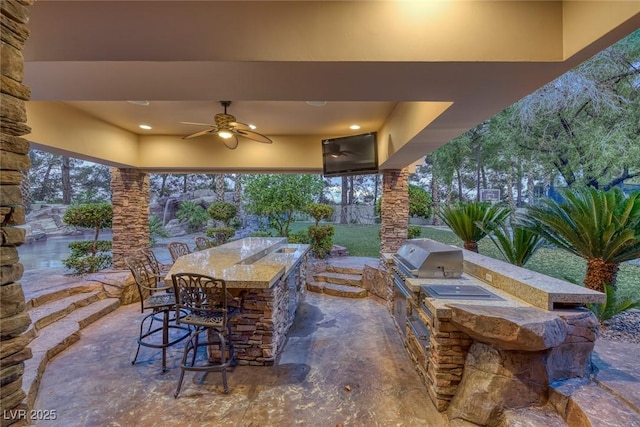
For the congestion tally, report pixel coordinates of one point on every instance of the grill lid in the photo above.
(427, 258)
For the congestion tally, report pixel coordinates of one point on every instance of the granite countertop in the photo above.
(246, 263)
(440, 308)
(289, 256)
(517, 283)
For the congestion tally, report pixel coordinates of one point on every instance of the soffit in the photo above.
(268, 57)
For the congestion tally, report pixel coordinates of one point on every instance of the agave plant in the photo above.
(600, 226)
(516, 244)
(472, 221)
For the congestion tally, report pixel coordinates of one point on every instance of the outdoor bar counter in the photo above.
(271, 274)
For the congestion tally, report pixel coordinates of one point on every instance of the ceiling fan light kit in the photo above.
(228, 129)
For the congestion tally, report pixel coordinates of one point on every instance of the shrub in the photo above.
(321, 238)
(156, 230)
(90, 215)
(83, 259)
(319, 211)
(91, 255)
(228, 232)
(87, 264)
(414, 232)
(194, 214)
(301, 236)
(419, 202)
(222, 211)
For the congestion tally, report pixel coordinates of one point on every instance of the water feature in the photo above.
(49, 253)
(166, 209)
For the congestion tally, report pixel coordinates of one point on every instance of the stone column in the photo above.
(395, 209)
(14, 319)
(130, 199)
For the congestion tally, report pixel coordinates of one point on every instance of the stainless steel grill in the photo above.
(420, 258)
(424, 258)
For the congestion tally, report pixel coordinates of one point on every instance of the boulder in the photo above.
(510, 328)
(375, 281)
(496, 380)
(117, 284)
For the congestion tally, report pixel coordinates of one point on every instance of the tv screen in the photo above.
(350, 155)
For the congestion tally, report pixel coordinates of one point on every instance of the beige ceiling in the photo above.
(417, 72)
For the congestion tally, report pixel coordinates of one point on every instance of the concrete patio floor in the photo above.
(343, 363)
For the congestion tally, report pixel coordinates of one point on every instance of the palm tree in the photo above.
(471, 221)
(517, 245)
(602, 227)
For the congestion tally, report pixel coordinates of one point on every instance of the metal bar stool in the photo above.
(206, 300)
(159, 269)
(177, 249)
(162, 306)
(203, 243)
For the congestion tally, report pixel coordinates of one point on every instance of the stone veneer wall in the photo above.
(14, 319)
(130, 199)
(448, 348)
(395, 209)
(260, 332)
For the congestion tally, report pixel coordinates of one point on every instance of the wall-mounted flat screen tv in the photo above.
(350, 155)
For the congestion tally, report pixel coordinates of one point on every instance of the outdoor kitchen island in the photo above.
(489, 338)
(270, 274)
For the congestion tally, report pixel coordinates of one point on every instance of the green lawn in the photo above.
(364, 240)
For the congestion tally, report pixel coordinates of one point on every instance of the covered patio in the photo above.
(417, 73)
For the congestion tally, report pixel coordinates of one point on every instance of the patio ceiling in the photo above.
(417, 72)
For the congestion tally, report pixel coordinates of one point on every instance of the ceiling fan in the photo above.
(227, 129)
(332, 149)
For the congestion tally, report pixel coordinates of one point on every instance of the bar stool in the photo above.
(206, 300)
(155, 298)
(159, 269)
(177, 249)
(203, 243)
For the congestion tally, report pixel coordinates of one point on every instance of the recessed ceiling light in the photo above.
(144, 103)
(145, 127)
(316, 103)
(354, 127)
(252, 127)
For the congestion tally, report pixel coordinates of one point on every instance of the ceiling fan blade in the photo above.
(197, 124)
(239, 125)
(231, 143)
(202, 132)
(253, 135)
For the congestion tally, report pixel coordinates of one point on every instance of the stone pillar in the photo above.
(395, 209)
(130, 199)
(14, 319)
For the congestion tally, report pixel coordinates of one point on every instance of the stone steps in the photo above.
(584, 403)
(57, 317)
(338, 278)
(44, 315)
(341, 277)
(348, 270)
(44, 296)
(344, 291)
(337, 290)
